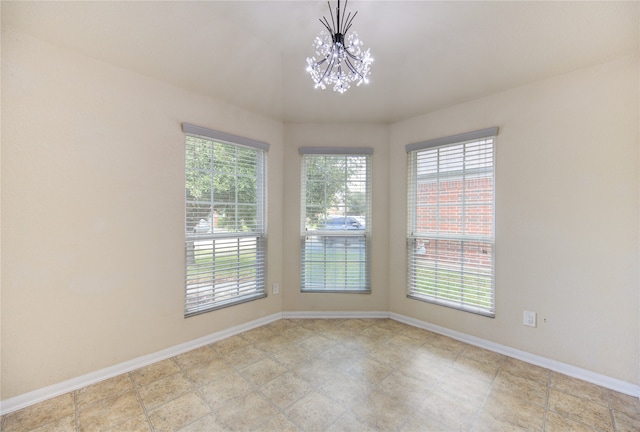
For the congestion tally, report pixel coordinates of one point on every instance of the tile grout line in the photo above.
(144, 408)
(196, 389)
(546, 402)
(476, 418)
(613, 417)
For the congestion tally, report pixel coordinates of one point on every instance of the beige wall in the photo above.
(93, 211)
(336, 135)
(566, 217)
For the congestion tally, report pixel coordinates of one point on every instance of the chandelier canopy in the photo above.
(340, 58)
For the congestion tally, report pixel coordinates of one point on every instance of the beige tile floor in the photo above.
(335, 375)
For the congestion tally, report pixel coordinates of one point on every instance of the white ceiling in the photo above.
(428, 54)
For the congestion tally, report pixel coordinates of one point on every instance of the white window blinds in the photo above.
(225, 230)
(451, 221)
(335, 219)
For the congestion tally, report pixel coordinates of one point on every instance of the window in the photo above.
(451, 221)
(225, 231)
(336, 203)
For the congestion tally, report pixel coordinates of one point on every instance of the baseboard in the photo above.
(36, 396)
(334, 315)
(556, 366)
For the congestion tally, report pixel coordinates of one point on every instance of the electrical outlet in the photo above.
(275, 288)
(529, 319)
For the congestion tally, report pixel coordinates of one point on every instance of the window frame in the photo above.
(327, 240)
(439, 282)
(250, 280)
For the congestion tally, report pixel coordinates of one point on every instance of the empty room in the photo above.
(320, 216)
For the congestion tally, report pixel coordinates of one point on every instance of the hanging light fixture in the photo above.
(340, 58)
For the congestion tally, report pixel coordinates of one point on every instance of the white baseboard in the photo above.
(33, 397)
(334, 315)
(556, 366)
(27, 399)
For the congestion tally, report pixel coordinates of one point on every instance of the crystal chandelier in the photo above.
(340, 58)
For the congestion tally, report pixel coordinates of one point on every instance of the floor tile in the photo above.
(316, 371)
(273, 343)
(228, 345)
(279, 423)
(488, 423)
(107, 413)
(405, 389)
(286, 389)
(382, 411)
(135, 424)
(350, 423)
(448, 410)
(204, 373)
(342, 357)
(482, 355)
(257, 334)
(40, 414)
(207, 423)
(246, 412)
(418, 422)
(244, 356)
(580, 410)
(178, 413)
(291, 355)
(297, 334)
(525, 370)
(220, 392)
(477, 370)
(630, 405)
(557, 423)
(467, 388)
(65, 424)
(579, 388)
(106, 389)
(154, 372)
(388, 355)
(199, 355)
(405, 343)
(346, 389)
(316, 344)
(371, 370)
(314, 412)
(262, 371)
(519, 387)
(164, 390)
(625, 423)
(504, 409)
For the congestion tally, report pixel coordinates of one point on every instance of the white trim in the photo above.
(334, 315)
(223, 136)
(554, 365)
(36, 396)
(460, 138)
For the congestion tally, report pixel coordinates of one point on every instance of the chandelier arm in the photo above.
(325, 23)
(344, 15)
(349, 22)
(358, 59)
(353, 68)
(331, 14)
(328, 68)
